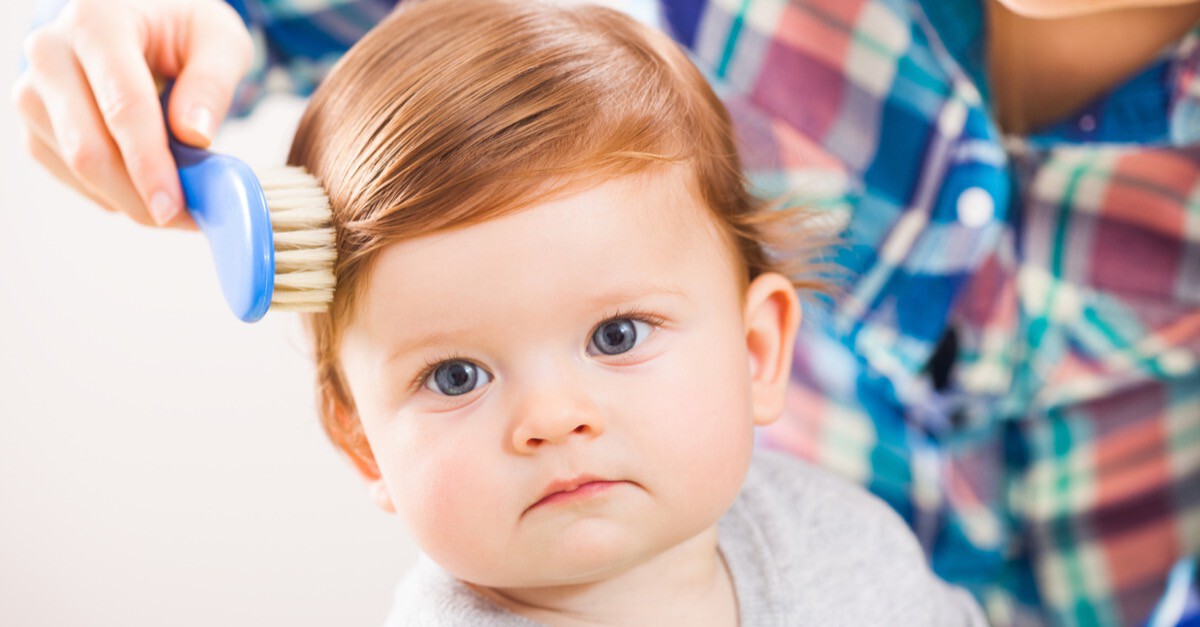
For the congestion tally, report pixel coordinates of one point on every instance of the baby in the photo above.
(559, 318)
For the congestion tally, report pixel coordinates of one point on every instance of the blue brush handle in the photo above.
(226, 201)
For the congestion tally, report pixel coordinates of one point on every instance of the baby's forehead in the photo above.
(663, 199)
(589, 241)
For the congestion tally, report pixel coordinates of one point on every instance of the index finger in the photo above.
(127, 97)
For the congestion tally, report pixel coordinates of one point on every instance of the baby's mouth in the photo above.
(571, 490)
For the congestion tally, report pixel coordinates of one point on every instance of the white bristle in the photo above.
(315, 306)
(288, 262)
(304, 280)
(312, 217)
(289, 300)
(312, 238)
(301, 221)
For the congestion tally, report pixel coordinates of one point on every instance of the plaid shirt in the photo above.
(1012, 363)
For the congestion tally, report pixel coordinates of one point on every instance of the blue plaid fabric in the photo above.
(298, 41)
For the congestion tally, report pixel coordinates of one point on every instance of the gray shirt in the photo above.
(804, 546)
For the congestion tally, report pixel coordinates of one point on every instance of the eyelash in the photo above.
(431, 365)
(630, 314)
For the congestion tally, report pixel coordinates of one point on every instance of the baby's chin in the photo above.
(590, 555)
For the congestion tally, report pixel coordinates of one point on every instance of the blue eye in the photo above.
(454, 378)
(618, 335)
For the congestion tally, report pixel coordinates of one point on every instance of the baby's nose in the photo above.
(552, 416)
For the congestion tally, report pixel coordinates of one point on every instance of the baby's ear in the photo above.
(379, 495)
(772, 316)
(354, 444)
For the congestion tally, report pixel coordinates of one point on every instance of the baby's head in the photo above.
(557, 321)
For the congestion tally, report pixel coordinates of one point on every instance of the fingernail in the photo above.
(201, 119)
(161, 208)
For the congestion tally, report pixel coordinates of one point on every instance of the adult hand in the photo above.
(90, 103)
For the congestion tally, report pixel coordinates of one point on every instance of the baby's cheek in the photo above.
(713, 422)
(453, 513)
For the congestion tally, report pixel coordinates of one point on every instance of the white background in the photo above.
(161, 462)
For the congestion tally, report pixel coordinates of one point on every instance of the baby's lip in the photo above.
(560, 489)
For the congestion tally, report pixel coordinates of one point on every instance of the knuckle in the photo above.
(142, 169)
(240, 42)
(245, 51)
(117, 104)
(85, 158)
(244, 45)
(40, 45)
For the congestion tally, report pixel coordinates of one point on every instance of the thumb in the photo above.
(216, 52)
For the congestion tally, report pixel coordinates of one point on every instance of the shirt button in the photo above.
(975, 207)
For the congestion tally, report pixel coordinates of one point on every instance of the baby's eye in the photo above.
(617, 336)
(454, 378)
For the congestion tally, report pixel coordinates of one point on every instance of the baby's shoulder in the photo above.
(811, 545)
(784, 490)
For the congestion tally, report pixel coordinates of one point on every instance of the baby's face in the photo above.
(560, 393)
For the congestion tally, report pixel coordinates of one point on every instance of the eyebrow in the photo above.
(599, 301)
(641, 290)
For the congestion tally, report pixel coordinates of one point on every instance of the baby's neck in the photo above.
(685, 585)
